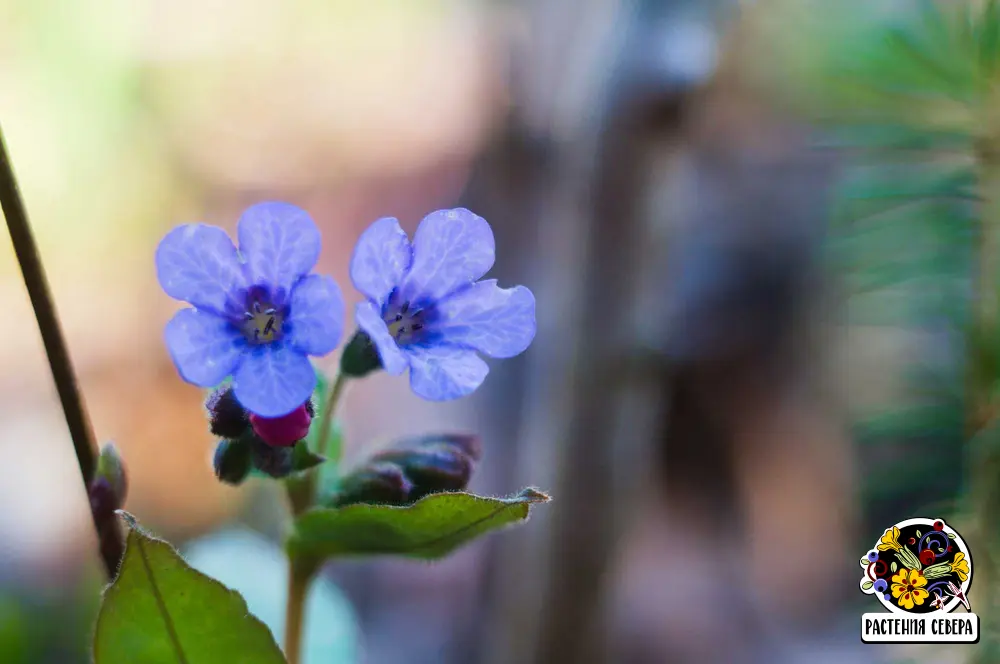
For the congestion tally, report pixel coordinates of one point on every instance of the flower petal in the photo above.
(315, 315)
(497, 321)
(442, 373)
(279, 243)
(204, 347)
(274, 379)
(198, 263)
(370, 320)
(451, 249)
(381, 259)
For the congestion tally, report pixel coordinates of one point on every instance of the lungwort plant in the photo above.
(257, 318)
(910, 92)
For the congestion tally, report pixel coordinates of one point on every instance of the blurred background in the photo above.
(708, 385)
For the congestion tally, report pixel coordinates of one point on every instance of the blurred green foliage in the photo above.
(908, 92)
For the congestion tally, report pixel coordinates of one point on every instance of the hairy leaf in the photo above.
(161, 611)
(431, 528)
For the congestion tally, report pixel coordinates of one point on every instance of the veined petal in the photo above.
(273, 380)
(370, 320)
(451, 249)
(204, 347)
(279, 243)
(381, 259)
(198, 264)
(497, 321)
(315, 315)
(442, 373)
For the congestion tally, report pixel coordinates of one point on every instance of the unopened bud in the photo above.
(360, 357)
(232, 461)
(282, 431)
(431, 468)
(278, 462)
(227, 417)
(375, 483)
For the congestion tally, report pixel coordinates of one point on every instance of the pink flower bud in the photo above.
(282, 431)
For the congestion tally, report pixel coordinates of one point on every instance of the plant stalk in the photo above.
(70, 397)
(299, 578)
(302, 496)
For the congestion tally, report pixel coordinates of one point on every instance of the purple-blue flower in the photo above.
(258, 313)
(426, 311)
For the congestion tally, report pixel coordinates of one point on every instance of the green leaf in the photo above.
(428, 529)
(161, 611)
(893, 566)
(867, 585)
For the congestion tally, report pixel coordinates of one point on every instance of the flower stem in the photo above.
(302, 496)
(327, 417)
(80, 431)
(299, 578)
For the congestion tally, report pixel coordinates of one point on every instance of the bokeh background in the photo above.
(699, 398)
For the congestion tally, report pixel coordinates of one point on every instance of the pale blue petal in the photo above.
(380, 260)
(274, 379)
(279, 243)
(442, 373)
(369, 319)
(451, 249)
(204, 347)
(497, 321)
(198, 263)
(315, 315)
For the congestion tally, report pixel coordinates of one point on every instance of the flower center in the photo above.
(262, 322)
(405, 323)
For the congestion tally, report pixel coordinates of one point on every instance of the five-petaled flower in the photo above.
(258, 313)
(908, 588)
(426, 309)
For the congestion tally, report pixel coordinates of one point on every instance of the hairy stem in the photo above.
(81, 433)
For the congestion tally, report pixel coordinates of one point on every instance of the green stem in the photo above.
(302, 495)
(70, 397)
(299, 578)
(328, 415)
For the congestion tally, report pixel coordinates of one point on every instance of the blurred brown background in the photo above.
(685, 400)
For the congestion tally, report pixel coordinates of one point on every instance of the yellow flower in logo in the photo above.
(908, 588)
(890, 540)
(960, 566)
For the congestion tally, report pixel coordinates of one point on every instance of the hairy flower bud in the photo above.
(232, 461)
(109, 486)
(434, 463)
(360, 357)
(282, 431)
(375, 483)
(278, 462)
(227, 418)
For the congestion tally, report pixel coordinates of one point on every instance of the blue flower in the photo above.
(258, 313)
(426, 311)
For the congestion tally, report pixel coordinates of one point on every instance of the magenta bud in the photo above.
(283, 431)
